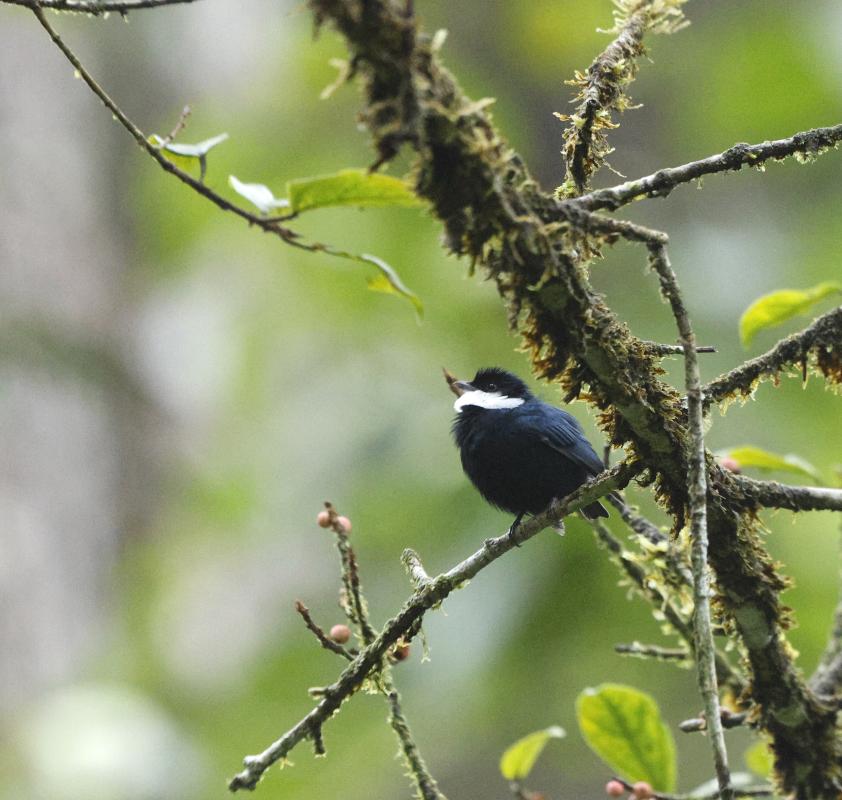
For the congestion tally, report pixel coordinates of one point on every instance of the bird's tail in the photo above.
(594, 510)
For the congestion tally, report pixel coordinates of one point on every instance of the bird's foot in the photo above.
(513, 529)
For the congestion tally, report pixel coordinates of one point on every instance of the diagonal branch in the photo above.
(806, 144)
(697, 493)
(267, 225)
(369, 660)
(820, 343)
(96, 7)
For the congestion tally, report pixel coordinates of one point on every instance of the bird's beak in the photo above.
(456, 386)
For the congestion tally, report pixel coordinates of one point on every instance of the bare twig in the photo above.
(660, 184)
(697, 493)
(323, 638)
(357, 612)
(820, 343)
(371, 657)
(179, 126)
(96, 7)
(748, 791)
(653, 651)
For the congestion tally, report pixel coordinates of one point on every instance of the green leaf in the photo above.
(389, 282)
(759, 759)
(518, 760)
(185, 156)
(258, 195)
(623, 726)
(749, 456)
(350, 187)
(777, 307)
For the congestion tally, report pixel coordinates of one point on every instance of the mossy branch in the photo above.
(531, 244)
(602, 89)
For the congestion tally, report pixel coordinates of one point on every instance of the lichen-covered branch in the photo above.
(805, 144)
(818, 346)
(493, 212)
(772, 494)
(649, 589)
(697, 493)
(602, 87)
(369, 661)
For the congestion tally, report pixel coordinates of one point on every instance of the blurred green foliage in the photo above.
(289, 383)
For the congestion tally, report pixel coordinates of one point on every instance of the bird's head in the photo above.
(492, 388)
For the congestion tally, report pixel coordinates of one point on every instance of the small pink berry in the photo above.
(615, 789)
(344, 523)
(323, 519)
(731, 464)
(642, 790)
(401, 652)
(340, 633)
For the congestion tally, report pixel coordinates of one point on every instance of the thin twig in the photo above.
(658, 349)
(179, 126)
(357, 610)
(697, 494)
(412, 562)
(653, 651)
(371, 657)
(821, 342)
(96, 7)
(272, 226)
(660, 184)
(323, 638)
(748, 791)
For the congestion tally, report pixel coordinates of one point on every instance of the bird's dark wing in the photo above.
(561, 432)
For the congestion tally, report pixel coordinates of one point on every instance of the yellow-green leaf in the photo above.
(518, 760)
(777, 307)
(623, 726)
(750, 456)
(759, 759)
(389, 282)
(350, 187)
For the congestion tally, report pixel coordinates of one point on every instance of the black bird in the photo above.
(520, 452)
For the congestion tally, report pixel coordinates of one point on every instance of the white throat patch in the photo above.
(487, 400)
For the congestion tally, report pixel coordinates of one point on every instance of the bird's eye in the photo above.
(492, 387)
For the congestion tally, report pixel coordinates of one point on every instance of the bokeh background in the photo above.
(178, 395)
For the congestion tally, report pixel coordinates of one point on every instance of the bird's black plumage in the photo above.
(518, 451)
